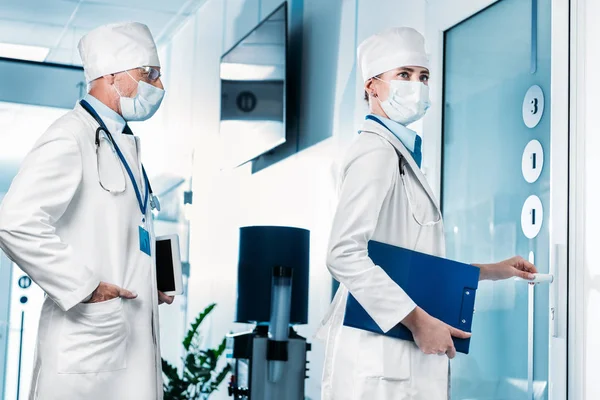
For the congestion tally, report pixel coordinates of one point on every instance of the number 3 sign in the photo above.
(533, 106)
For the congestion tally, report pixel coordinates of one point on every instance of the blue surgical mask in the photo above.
(144, 105)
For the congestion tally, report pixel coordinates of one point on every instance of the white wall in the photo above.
(297, 191)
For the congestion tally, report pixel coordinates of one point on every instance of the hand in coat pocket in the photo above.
(108, 291)
(163, 298)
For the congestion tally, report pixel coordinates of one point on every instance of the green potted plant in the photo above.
(199, 376)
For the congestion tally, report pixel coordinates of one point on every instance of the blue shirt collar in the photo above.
(407, 137)
(113, 121)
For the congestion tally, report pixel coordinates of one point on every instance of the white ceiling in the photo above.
(59, 24)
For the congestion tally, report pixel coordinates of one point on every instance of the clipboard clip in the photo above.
(467, 309)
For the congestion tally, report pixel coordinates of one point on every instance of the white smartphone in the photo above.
(169, 278)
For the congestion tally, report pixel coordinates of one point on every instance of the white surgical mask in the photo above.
(407, 101)
(144, 105)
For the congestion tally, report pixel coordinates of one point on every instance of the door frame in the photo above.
(441, 15)
(577, 224)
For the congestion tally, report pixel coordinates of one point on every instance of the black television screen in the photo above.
(253, 92)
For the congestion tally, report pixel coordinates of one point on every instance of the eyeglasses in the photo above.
(153, 73)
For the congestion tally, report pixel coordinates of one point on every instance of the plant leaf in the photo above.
(170, 371)
(199, 374)
(219, 379)
(194, 327)
(221, 349)
(174, 387)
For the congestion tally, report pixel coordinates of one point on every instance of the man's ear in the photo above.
(110, 79)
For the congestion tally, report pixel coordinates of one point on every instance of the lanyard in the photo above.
(143, 204)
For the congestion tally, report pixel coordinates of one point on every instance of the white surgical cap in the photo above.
(390, 49)
(116, 48)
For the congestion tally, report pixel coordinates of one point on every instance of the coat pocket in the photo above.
(384, 358)
(93, 338)
(384, 368)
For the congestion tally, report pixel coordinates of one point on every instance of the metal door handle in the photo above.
(539, 278)
(558, 292)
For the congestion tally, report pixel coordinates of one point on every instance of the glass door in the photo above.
(503, 189)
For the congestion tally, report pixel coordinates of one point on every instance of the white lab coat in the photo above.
(68, 234)
(377, 202)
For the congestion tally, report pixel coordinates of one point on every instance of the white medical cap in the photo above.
(390, 49)
(116, 48)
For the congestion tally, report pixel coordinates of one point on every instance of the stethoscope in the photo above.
(149, 195)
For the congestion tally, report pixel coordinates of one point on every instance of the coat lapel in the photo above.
(375, 128)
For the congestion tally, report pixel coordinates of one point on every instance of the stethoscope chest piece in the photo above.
(154, 203)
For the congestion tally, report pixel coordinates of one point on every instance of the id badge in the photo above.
(144, 240)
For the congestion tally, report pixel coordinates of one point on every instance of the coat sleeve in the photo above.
(367, 181)
(40, 194)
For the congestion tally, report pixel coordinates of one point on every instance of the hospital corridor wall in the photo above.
(179, 142)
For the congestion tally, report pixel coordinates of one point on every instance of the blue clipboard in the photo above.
(443, 288)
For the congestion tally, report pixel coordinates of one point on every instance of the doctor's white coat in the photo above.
(382, 195)
(68, 234)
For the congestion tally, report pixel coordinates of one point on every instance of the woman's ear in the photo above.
(370, 88)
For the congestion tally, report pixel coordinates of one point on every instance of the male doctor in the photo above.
(77, 219)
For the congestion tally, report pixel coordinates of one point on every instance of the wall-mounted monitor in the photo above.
(253, 92)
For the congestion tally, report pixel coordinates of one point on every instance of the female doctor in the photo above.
(383, 196)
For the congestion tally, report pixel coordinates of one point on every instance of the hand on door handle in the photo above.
(513, 267)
